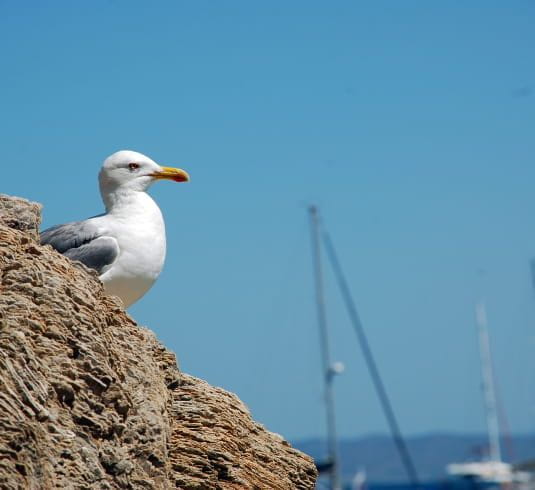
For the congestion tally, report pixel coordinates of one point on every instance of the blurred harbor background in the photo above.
(411, 125)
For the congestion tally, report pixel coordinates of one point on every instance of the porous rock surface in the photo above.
(91, 400)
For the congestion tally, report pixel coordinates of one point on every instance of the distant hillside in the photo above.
(431, 453)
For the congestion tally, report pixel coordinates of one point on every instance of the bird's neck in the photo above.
(126, 200)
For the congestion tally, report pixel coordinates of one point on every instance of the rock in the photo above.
(91, 400)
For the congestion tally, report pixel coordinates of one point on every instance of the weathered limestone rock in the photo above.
(91, 400)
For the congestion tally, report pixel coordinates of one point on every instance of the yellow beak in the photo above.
(170, 173)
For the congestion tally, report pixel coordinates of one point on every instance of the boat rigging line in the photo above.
(397, 436)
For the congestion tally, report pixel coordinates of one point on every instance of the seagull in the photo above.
(125, 245)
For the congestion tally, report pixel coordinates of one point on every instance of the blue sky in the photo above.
(410, 124)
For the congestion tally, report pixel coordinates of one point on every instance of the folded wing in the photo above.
(81, 241)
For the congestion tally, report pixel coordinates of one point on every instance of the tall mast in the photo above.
(488, 383)
(328, 371)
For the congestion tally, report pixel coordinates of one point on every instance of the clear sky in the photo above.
(410, 123)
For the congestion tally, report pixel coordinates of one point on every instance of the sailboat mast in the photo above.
(488, 383)
(328, 372)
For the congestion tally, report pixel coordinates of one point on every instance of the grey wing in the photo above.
(81, 241)
(96, 254)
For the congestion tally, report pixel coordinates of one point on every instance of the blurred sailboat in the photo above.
(493, 472)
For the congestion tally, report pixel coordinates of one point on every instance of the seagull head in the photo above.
(131, 171)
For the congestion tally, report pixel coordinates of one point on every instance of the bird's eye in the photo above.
(133, 166)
